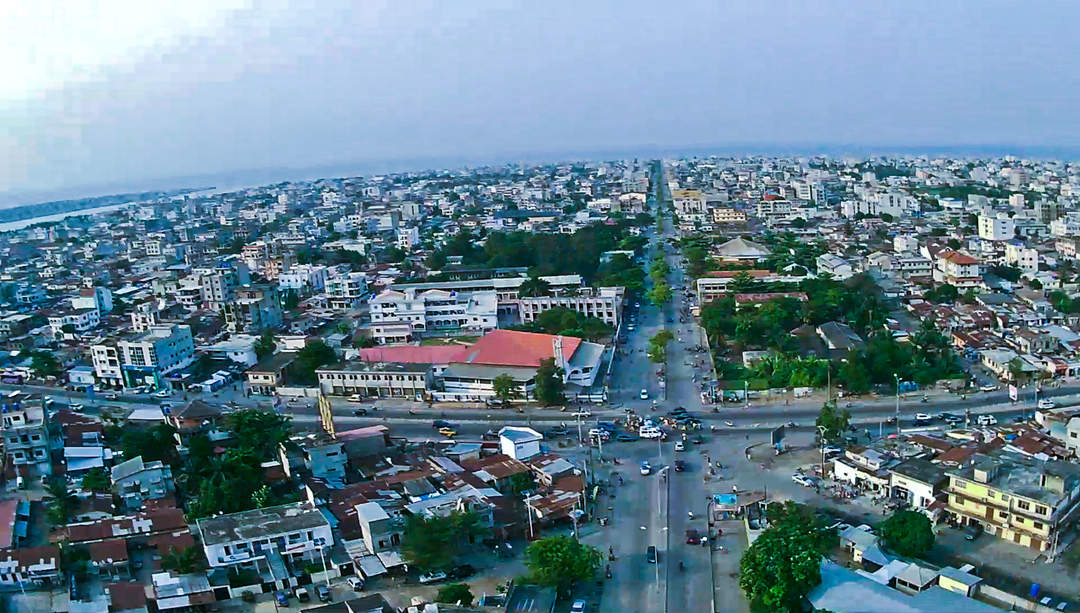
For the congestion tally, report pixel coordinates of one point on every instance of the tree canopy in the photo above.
(506, 389)
(834, 420)
(559, 561)
(314, 355)
(549, 383)
(784, 563)
(567, 322)
(432, 543)
(657, 347)
(455, 593)
(908, 533)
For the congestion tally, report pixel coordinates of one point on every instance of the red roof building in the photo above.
(513, 348)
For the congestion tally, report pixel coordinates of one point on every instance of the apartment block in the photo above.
(602, 303)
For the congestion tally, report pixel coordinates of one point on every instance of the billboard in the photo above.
(776, 436)
(1014, 393)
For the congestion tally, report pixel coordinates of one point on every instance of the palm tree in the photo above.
(187, 560)
(533, 287)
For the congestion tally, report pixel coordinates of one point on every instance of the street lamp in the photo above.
(821, 444)
(896, 377)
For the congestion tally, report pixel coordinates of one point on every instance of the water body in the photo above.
(23, 223)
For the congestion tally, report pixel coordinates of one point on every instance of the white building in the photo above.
(1067, 225)
(689, 203)
(407, 238)
(79, 320)
(602, 303)
(999, 227)
(436, 311)
(304, 278)
(296, 531)
(519, 443)
(347, 290)
(834, 265)
(98, 298)
(163, 349)
(1024, 258)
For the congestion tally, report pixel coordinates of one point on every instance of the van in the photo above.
(650, 433)
(302, 594)
(650, 554)
(986, 420)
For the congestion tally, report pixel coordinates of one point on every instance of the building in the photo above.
(106, 361)
(688, 203)
(323, 456)
(295, 531)
(1023, 257)
(957, 269)
(505, 287)
(305, 279)
(346, 291)
(1028, 502)
(98, 298)
(216, 285)
(917, 482)
(30, 567)
(728, 215)
(161, 350)
(27, 444)
(74, 321)
(253, 308)
(264, 378)
(835, 266)
(181, 592)
(999, 227)
(518, 354)
(740, 250)
(377, 380)
(519, 443)
(135, 481)
(604, 303)
(433, 312)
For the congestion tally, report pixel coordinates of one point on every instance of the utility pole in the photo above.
(821, 444)
(896, 377)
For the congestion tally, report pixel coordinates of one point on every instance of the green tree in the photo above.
(945, 292)
(784, 563)
(259, 431)
(506, 388)
(657, 347)
(394, 254)
(44, 364)
(835, 421)
(314, 355)
(660, 293)
(455, 593)
(184, 561)
(266, 345)
(549, 383)
(63, 503)
(432, 543)
(96, 480)
(908, 533)
(156, 443)
(559, 561)
(534, 287)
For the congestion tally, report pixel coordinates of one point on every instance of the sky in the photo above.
(114, 93)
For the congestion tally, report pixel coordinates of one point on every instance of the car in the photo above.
(680, 446)
(804, 480)
(645, 468)
(606, 425)
(831, 450)
(362, 411)
(281, 598)
(945, 416)
(680, 466)
(644, 395)
(626, 437)
(441, 423)
(112, 396)
(162, 394)
(447, 432)
(678, 411)
(650, 554)
(1047, 404)
(433, 576)
(323, 593)
(78, 408)
(988, 388)
(922, 419)
(356, 584)
(302, 594)
(599, 433)
(462, 571)
(355, 398)
(490, 435)
(578, 606)
(559, 431)
(953, 420)
(986, 420)
(584, 414)
(973, 532)
(693, 537)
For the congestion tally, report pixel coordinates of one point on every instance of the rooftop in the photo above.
(260, 523)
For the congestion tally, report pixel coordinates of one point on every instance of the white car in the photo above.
(112, 396)
(680, 446)
(578, 606)
(645, 468)
(77, 408)
(803, 480)
(1047, 404)
(356, 398)
(162, 394)
(644, 395)
(988, 388)
(986, 420)
(432, 576)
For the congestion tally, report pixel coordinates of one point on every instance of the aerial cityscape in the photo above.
(422, 308)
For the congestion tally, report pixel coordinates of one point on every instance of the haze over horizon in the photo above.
(130, 93)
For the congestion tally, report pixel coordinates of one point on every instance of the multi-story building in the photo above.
(376, 379)
(773, 210)
(26, 433)
(346, 291)
(602, 303)
(689, 203)
(135, 481)
(106, 361)
(148, 357)
(436, 311)
(75, 321)
(957, 269)
(296, 531)
(98, 298)
(999, 227)
(1028, 502)
(505, 288)
(253, 308)
(1023, 257)
(217, 284)
(304, 278)
(728, 215)
(1067, 225)
(835, 266)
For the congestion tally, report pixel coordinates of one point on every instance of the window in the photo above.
(960, 483)
(1041, 510)
(1023, 504)
(1037, 524)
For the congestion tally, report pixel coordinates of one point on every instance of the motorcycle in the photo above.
(608, 572)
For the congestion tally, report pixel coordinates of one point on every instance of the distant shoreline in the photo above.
(250, 178)
(32, 212)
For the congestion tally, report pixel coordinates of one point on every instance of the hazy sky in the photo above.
(106, 92)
